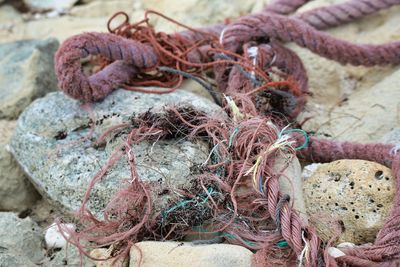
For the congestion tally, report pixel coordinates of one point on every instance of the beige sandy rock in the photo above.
(104, 8)
(8, 16)
(197, 13)
(103, 253)
(16, 192)
(58, 27)
(358, 194)
(353, 103)
(195, 88)
(50, 4)
(290, 183)
(366, 116)
(165, 254)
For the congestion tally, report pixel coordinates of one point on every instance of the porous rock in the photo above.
(26, 73)
(21, 237)
(165, 254)
(48, 144)
(356, 195)
(16, 192)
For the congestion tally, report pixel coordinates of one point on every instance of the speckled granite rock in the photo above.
(16, 192)
(10, 259)
(165, 254)
(21, 238)
(68, 256)
(26, 73)
(45, 132)
(358, 193)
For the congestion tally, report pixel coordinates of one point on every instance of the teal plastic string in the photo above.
(234, 132)
(201, 230)
(306, 138)
(233, 237)
(282, 243)
(185, 202)
(177, 206)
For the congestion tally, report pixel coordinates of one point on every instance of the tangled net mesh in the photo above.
(262, 86)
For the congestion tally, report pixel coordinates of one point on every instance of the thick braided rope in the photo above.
(284, 7)
(289, 222)
(128, 55)
(137, 56)
(96, 87)
(268, 55)
(386, 248)
(287, 29)
(339, 14)
(287, 61)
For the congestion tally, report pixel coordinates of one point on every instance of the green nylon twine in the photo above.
(306, 138)
(282, 243)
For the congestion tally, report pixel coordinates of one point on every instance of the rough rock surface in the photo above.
(20, 237)
(392, 137)
(103, 8)
(48, 144)
(165, 254)
(16, 192)
(50, 4)
(290, 182)
(68, 256)
(103, 253)
(207, 12)
(93, 15)
(10, 259)
(353, 103)
(26, 73)
(358, 193)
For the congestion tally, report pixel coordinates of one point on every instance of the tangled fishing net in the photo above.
(262, 86)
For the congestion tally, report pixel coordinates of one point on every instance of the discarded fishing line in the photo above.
(262, 86)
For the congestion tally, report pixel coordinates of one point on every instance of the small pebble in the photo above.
(334, 252)
(346, 245)
(54, 238)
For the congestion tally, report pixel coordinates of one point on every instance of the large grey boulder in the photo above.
(16, 192)
(20, 238)
(10, 259)
(49, 143)
(26, 73)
